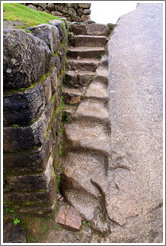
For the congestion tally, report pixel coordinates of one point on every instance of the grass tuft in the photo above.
(30, 17)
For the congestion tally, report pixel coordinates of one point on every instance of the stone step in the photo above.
(78, 79)
(101, 77)
(97, 89)
(72, 96)
(89, 207)
(88, 41)
(86, 52)
(68, 110)
(81, 200)
(80, 168)
(89, 65)
(95, 109)
(90, 29)
(87, 134)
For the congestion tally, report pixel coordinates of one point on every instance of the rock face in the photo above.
(25, 59)
(135, 91)
(33, 74)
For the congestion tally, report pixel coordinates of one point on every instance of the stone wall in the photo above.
(72, 11)
(33, 74)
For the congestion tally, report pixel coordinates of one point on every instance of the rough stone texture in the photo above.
(82, 65)
(120, 118)
(78, 28)
(40, 199)
(71, 96)
(14, 234)
(78, 80)
(32, 117)
(14, 137)
(58, 24)
(49, 34)
(20, 163)
(86, 52)
(69, 217)
(23, 107)
(97, 29)
(25, 59)
(88, 41)
(71, 11)
(135, 76)
(33, 182)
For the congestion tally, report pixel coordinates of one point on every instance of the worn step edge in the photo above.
(83, 65)
(75, 144)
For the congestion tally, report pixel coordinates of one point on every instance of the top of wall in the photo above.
(71, 11)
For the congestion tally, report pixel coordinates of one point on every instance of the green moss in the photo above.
(9, 210)
(44, 190)
(15, 125)
(28, 203)
(53, 98)
(28, 31)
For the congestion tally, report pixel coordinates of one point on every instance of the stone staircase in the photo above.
(87, 133)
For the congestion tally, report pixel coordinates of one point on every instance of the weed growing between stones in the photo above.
(86, 223)
(16, 221)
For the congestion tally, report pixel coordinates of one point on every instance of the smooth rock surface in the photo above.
(135, 91)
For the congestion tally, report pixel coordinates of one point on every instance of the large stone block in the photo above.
(27, 138)
(84, 5)
(78, 28)
(23, 107)
(50, 6)
(59, 25)
(44, 211)
(28, 162)
(53, 79)
(25, 59)
(57, 63)
(33, 182)
(47, 89)
(49, 34)
(97, 29)
(30, 199)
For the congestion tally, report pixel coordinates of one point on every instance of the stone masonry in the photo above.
(71, 11)
(33, 75)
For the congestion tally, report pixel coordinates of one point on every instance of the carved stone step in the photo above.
(80, 168)
(90, 29)
(88, 135)
(78, 80)
(94, 109)
(97, 89)
(88, 41)
(72, 96)
(85, 204)
(83, 65)
(69, 110)
(85, 52)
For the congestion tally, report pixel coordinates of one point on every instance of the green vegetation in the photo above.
(16, 221)
(57, 227)
(30, 17)
(8, 210)
(86, 223)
